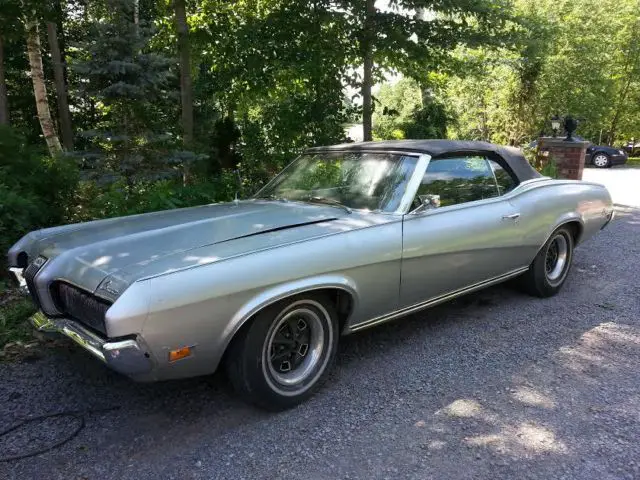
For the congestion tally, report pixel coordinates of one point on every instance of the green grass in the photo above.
(633, 161)
(14, 312)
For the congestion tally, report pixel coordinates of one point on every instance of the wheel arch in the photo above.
(341, 290)
(571, 220)
(577, 228)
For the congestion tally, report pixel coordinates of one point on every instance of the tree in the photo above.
(628, 57)
(367, 45)
(508, 96)
(407, 110)
(4, 100)
(39, 86)
(277, 73)
(133, 86)
(61, 87)
(186, 88)
(413, 36)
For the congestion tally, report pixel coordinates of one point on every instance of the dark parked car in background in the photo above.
(602, 156)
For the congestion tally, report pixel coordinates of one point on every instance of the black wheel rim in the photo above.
(290, 344)
(297, 347)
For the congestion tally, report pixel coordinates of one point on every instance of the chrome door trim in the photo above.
(414, 184)
(435, 301)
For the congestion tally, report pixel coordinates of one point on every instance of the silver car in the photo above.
(345, 238)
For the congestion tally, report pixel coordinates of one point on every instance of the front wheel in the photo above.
(284, 354)
(601, 160)
(550, 268)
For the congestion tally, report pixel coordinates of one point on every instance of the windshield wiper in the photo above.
(327, 201)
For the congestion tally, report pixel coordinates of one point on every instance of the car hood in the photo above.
(128, 248)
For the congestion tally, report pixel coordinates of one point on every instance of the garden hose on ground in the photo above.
(78, 416)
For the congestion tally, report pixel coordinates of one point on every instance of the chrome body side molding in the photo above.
(435, 301)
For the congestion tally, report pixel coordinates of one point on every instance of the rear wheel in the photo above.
(601, 160)
(550, 268)
(284, 355)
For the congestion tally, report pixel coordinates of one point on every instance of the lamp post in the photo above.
(555, 125)
(566, 153)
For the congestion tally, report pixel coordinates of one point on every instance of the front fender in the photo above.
(285, 290)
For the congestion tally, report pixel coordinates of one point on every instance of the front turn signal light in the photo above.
(179, 354)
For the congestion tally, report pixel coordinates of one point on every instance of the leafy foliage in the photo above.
(131, 88)
(121, 198)
(35, 189)
(407, 111)
(580, 58)
(269, 80)
(13, 316)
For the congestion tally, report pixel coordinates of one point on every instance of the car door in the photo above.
(468, 233)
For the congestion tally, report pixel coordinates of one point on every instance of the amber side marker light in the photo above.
(179, 354)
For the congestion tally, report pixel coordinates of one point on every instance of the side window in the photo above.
(450, 181)
(505, 181)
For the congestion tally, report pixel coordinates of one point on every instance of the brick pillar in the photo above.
(568, 155)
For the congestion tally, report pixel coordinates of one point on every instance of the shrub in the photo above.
(13, 315)
(550, 169)
(34, 189)
(119, 198)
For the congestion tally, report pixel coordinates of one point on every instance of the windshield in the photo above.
(369, 181)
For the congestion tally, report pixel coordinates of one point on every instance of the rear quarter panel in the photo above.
(546, 204)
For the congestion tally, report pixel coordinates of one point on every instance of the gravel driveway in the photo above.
(494, 385)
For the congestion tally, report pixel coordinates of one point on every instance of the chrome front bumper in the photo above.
(22, 283)
(125, 356)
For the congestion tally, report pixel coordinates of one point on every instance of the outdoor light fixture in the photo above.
(555, 124)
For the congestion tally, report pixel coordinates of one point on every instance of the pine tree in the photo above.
(132, 85)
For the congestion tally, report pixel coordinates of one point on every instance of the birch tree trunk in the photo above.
(4, 101)
(136, 15)
(61, 88)
(39, 87)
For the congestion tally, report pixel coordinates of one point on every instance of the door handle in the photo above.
(513, 216)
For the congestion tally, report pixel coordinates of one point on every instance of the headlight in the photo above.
(622, 152)
(39, 262)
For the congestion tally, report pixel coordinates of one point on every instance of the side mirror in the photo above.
(428, 202)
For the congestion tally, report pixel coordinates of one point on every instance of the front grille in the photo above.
(81, 306)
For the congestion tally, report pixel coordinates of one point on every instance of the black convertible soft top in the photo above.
(513, 158)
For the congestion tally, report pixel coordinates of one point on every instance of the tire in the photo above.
(550, 268)
(274, 379)
(601, 160)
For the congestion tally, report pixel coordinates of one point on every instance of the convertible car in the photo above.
(345, 238)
